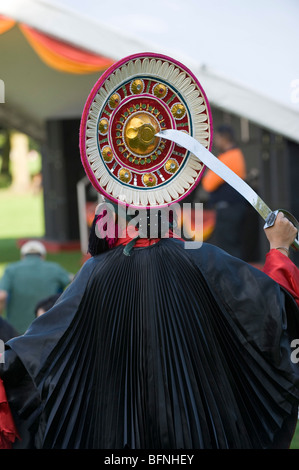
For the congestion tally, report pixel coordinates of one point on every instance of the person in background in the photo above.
(154, 345)
(229, 205)
(26, 282)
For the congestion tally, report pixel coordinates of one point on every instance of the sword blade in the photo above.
(218, 167)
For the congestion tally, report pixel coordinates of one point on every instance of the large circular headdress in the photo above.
(133, 100)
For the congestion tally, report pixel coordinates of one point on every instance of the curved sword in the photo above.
(214, 164)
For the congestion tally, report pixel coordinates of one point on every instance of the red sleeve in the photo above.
(8, 430)
(284, 271)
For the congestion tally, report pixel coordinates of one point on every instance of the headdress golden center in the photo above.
(131, 102)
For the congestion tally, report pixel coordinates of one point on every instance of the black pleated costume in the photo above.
(169, 348)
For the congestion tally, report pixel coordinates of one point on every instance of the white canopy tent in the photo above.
(243, 53)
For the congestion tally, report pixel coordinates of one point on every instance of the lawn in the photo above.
(21, 216)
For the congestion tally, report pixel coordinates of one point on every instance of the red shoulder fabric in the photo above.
(280, 268)
(8, 430)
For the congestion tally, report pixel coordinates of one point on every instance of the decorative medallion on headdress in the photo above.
(132, 101)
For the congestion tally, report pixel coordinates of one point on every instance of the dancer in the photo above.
(155, 345)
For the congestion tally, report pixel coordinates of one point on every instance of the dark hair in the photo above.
(226, 131)
(46, 303)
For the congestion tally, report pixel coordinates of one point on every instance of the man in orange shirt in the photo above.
(230, 206)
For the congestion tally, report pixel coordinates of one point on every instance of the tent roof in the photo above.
(243, 53)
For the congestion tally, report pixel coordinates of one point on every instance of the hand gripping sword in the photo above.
(214, 164)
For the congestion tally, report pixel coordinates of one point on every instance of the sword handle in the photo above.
(271, 220)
